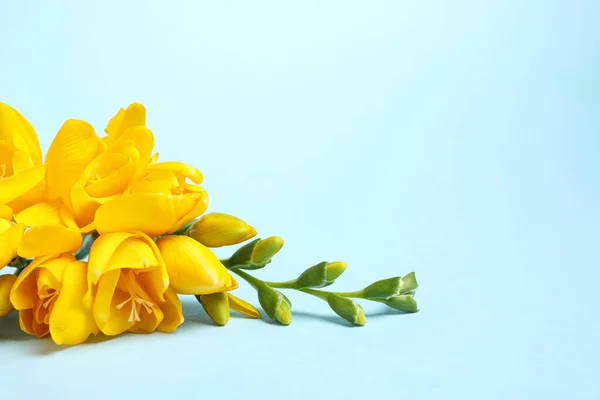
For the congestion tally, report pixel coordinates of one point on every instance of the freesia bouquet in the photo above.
(140, 224)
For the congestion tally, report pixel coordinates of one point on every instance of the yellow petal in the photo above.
(26, 321)
(24, 290)
(12, 123)
(172, 310)
(181, 169)
(185, 213)
(39, 214)
(49, 239)
(35, 195)
(21, 183)
(144, 143)
(150, 213)
(242, 306)
(118, 319)
(6, 283)
(101, 252)
(148, 321)
(70, 322)
(193, 268)
(6, 212)
(73, 148)
(84, 206)
(103, 299)
(50, 271)
(10, 236)
(134, 115)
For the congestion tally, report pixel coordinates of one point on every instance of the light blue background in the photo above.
(457, 139)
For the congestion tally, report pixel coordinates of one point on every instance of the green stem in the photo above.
(357, 294)
(84, 251)
(317, 293)
(226, 263)
(255, 282)
(284, 285)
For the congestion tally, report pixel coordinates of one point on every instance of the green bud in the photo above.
(383, 289)
(387, 288)
(404, 303)
(266, 249)
(348, 309)
(321, 275)
(275, 304)
(256, 254)
(216, 306)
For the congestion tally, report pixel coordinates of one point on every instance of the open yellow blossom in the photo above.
(85, 171)
(49, 296)
(162, 201)
(21, 169)
(129, 286)
(194, 268)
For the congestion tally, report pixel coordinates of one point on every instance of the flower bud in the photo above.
(387, 288)
(348, 309)
(256, 254)
(216, 306)
(6, 284)
(404, 303)
(321, 275)
(275, 304)
(266, 249)
(217, 230)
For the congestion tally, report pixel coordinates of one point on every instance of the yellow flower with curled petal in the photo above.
(162, 201)
(49, 296)
(85, 171)
(194, 268)
(128, 286)
(21, 169)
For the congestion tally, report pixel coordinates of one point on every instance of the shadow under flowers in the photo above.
(10, 329)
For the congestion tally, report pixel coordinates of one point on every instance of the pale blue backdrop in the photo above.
(458, 139)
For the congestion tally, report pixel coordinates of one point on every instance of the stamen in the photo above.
(146, 304)
(119, 306)
(134, 314)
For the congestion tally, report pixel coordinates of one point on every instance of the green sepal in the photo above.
(348, 309)
(404, 303)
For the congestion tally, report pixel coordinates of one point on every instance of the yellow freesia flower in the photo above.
(161, 202)
(85, 171)
(128, 286)
(194, 268)
(49, 296)
(21, 169)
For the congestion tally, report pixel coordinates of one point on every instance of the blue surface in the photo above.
(457, 139)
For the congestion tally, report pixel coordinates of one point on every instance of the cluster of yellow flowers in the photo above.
(114, 189)
(140, 224)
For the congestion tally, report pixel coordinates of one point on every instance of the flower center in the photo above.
(2, 171)
(136, 304)
(49, 296)
(136, 301)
